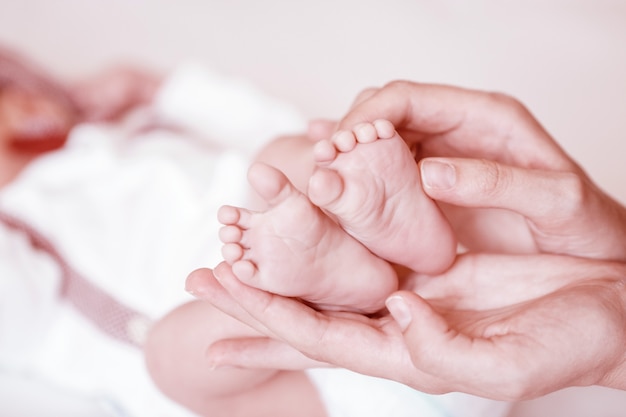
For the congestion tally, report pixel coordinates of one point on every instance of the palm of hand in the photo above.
(501, 342)
(503, 327)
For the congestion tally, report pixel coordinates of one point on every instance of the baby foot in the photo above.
(295, 250)
(367, 179)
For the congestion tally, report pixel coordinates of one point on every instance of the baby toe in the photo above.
(344, 141)
(384, 129)
(230, 234)
(365, 133)
(232, 252)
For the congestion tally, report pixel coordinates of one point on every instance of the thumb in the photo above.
(438, 349)
(423, 328)
(481, 366)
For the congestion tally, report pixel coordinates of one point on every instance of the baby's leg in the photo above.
(176, 358)
(294, 249)
(369, 182)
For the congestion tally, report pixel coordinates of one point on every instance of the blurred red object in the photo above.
(36, 112)
(32, 122)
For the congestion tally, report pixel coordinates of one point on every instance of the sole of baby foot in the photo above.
(294, 249)
(374, 192)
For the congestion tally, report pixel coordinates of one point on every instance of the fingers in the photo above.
(320, 337)
(413, 106)
(482, 183)
(460, 122)
(523, 350)
(243, 352)
(484, 281)
(259, 353)
(564, 210)
(202, 284)
(481, 282)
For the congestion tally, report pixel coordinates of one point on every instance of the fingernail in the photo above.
(216, 365)
(194, 290)
(216, 361)
(437, 174)
(195, 286)
(399, 311)
(190, 286)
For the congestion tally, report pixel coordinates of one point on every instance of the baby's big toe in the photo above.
(325, 186)
(245, 271)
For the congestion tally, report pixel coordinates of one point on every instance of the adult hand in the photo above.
(520, 192)
(499, 326)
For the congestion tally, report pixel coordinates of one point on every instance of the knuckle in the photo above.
(574, 194)
(495, 179)
(512, 111)
(365, 94)
(401, 85)
(568, 198)
(509, 102)
(396, 84)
